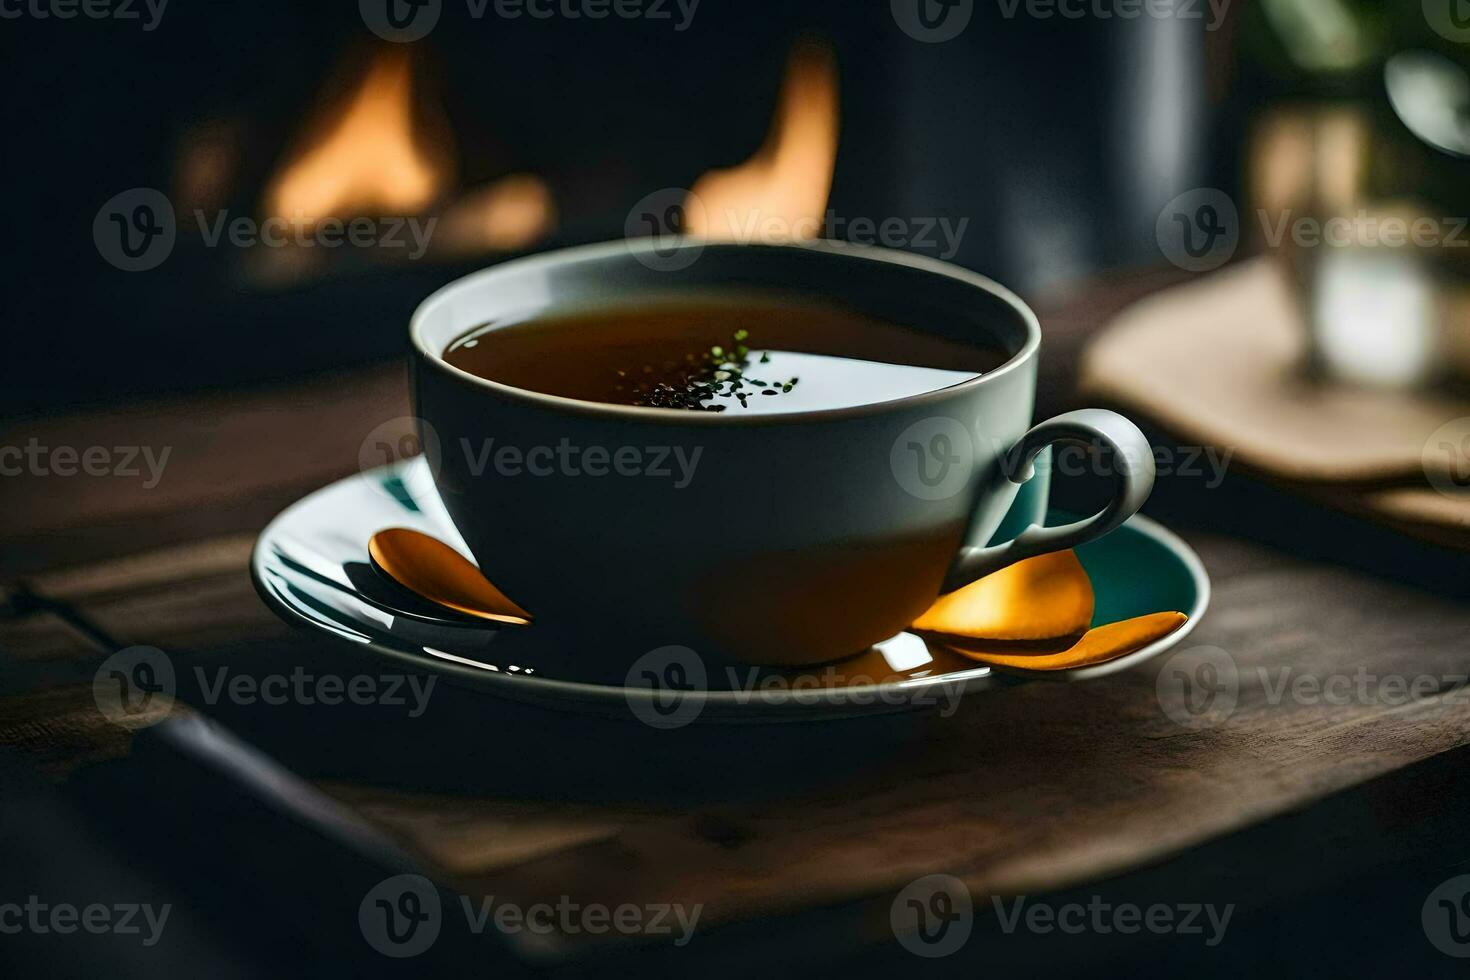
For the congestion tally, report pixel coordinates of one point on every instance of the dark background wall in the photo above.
(1058, 140)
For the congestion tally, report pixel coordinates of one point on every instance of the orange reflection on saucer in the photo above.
(1096, 646)
(435, 571)
(1041, 598)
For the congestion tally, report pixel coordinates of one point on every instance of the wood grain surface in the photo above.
(1341, 671)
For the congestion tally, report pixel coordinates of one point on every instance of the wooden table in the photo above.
(795, 839)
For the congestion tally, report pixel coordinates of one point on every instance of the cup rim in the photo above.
(877, 255)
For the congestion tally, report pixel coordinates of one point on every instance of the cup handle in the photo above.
(1133, 480)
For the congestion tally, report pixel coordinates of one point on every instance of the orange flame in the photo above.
(509, 214)
(366, 162)
(781, 192)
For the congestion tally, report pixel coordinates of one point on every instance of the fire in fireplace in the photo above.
(295, 123)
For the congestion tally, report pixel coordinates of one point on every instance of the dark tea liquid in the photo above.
(711, 355)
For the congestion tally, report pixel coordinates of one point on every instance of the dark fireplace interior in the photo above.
(521, 135)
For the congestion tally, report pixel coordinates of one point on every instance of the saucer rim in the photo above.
(895, 695)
